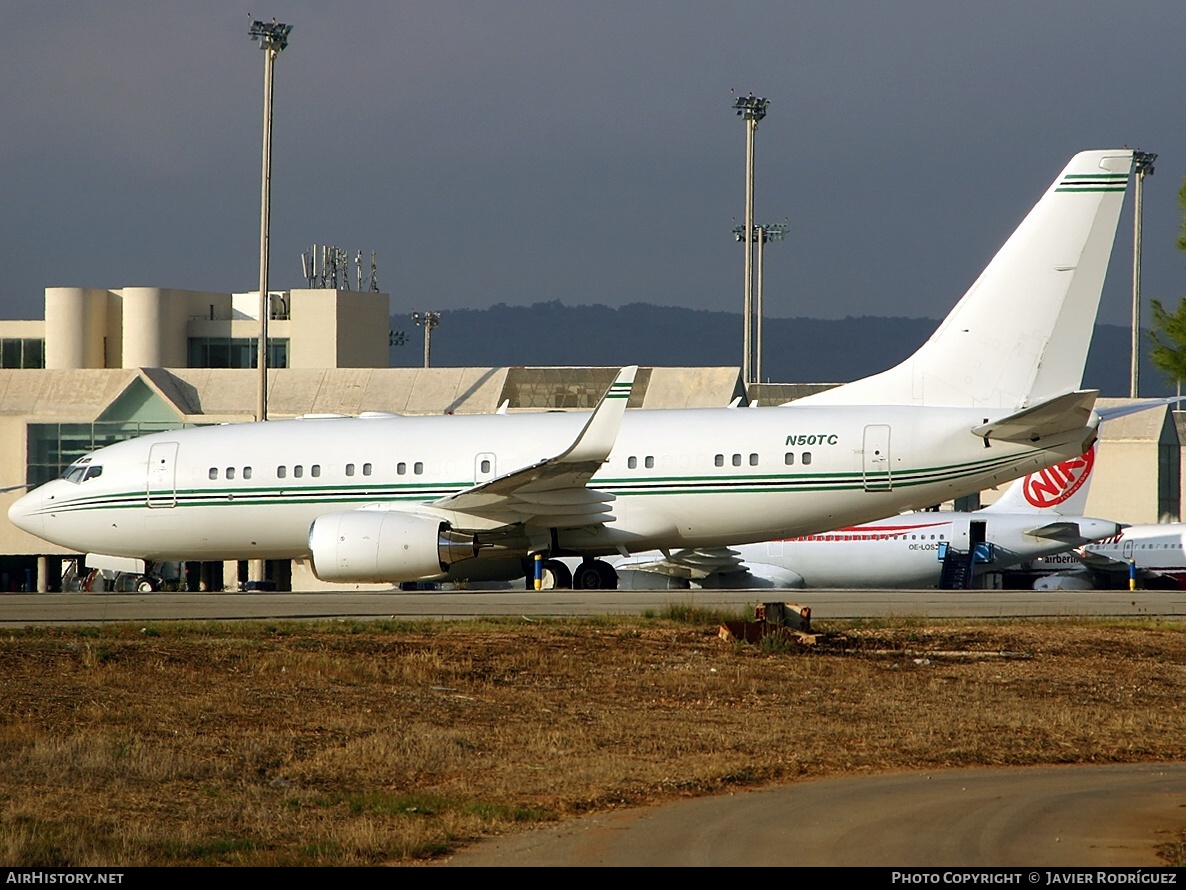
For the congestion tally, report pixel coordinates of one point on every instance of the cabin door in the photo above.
(877, 458)
(162, 475)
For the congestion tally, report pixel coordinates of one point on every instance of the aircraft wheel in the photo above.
(556, 575)
(595, 574)
(146, 585)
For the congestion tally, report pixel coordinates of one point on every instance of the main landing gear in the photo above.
(594, 574)
(591, 574)
(556, 575)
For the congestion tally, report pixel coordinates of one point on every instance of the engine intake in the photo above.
(385, 545)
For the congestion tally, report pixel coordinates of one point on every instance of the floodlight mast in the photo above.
(751, 109)
(273, 38)
(761, 234)
(1142, 164)
(764, 233)
(427, 320)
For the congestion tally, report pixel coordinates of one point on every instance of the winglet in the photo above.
(601, 431)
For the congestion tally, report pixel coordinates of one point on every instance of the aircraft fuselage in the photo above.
(678, 478)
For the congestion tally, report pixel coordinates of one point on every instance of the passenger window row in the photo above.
(858, 537)
(789, 459)
(719, 460)
(298, 471)
(229, 472)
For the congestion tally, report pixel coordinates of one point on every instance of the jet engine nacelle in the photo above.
(762, 575)
(1064, 581)
(385, 545)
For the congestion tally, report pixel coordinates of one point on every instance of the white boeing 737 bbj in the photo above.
(992, 395)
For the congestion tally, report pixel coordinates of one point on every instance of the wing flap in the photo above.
(565, 497)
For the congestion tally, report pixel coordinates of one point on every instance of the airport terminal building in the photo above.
(106, 365)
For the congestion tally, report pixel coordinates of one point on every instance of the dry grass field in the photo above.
(369, 743)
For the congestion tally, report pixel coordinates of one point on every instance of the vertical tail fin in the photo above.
(1020, 334)
(1060, 489)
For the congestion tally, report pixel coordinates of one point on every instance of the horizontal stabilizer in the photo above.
(1060, 415)
(1136, 406)
(1067, 532)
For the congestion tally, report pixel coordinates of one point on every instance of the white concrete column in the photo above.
(142, 327)
(75, 325)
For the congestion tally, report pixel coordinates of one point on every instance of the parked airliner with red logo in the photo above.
(1156, 551)
(1038, 515)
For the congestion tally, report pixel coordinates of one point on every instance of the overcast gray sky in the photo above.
(522, 151)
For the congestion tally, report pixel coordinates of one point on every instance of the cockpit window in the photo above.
(80, 472)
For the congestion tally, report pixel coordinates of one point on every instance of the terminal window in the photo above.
(22, 352)
(52, 447)
(234, 352)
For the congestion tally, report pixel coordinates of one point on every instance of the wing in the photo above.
(1117, 570)
(1100, 563)
(553, 492)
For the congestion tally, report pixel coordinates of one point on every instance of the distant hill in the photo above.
(795, 350)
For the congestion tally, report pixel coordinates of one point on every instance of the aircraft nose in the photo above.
(25, 513)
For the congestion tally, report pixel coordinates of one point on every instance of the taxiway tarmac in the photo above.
(86, 608)
(1079, 816)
